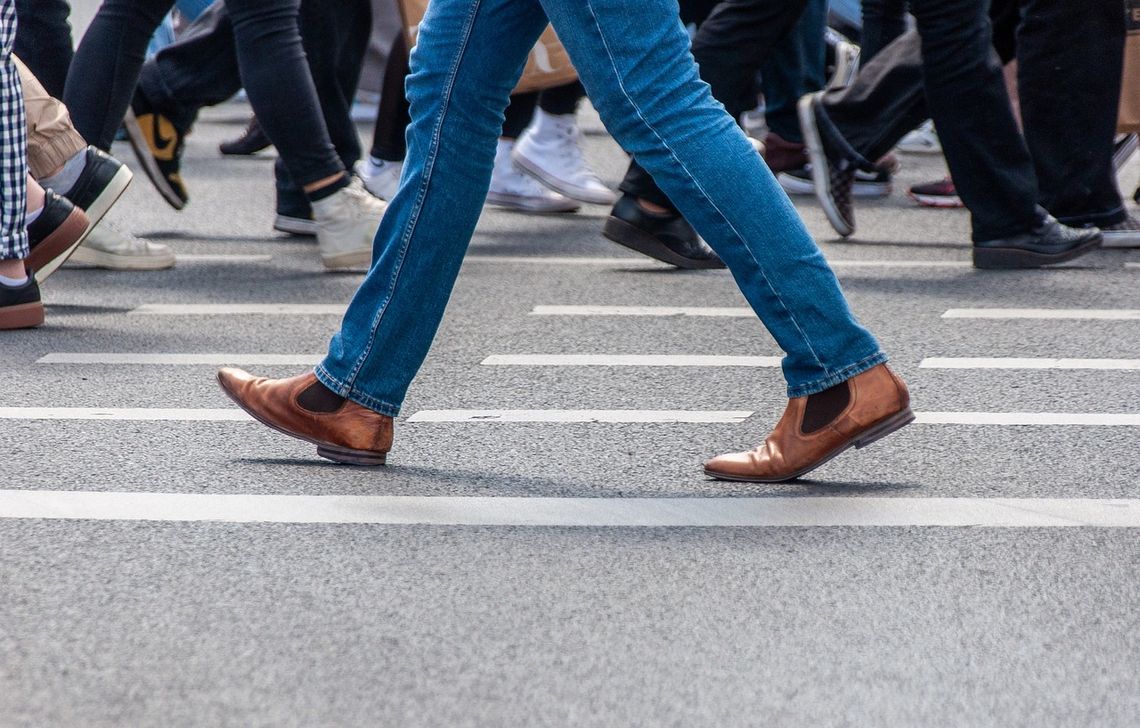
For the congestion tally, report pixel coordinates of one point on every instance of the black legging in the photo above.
(270, 55)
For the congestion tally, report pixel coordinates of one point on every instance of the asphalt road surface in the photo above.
(163, 561)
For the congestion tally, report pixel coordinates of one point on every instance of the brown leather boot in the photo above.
(302, 407)
(815, 429)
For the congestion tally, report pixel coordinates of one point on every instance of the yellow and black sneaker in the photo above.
(158, 144)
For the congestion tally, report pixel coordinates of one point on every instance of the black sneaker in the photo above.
(55, 234)
(102, 182)
(661, 236)
(20, 306)
(158, 144)
(833, 172)
(251, 141)
(1049, 243)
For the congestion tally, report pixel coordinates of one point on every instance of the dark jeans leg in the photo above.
(561, 100)
(519, 113)
(883, 21)
(730, 46)
(795, 68)
(335, 37)
(276, 77)
(1070, 92)
(106, 67)
(199, 69)
(392, 119)
(43, 41)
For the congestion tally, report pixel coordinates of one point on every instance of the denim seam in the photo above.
(842, 375)
(376, 405)
(640, 115)
(417, 208)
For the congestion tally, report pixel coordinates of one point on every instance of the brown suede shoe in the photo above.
(302, 407)
(815, 429)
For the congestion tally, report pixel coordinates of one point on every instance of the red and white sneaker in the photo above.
(936, 194)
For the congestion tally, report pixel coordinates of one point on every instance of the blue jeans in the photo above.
(633, 59)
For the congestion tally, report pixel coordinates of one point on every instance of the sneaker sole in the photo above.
(593, 197)
(326, 450)
(109, 261)
(56, 248)
(821, 185)
(295, 226)
(935, 200)
(1016, 258)
(1121, 241)
(866, 190)
(528, 204)
(629, 236)
(23, 316)
(146, 161)
(873, 434)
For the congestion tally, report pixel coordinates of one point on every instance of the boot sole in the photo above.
(56, 248)
(805, 109)
(23, 316)
(1017, 258)
(336, 453)
(629, 236)
(871, 435)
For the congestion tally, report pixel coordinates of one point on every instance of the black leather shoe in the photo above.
(1047, 244)
(55, 234)
(661, 236)
(251, 141)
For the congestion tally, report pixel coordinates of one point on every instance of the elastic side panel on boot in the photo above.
(823, 407)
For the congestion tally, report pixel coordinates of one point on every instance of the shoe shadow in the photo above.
(835, 487)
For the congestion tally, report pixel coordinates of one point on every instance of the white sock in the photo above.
(62, 182)
(13, 282)
(33, 215)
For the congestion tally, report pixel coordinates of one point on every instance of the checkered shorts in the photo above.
(13, 145)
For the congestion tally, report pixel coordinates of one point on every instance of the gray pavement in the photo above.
(160, 623)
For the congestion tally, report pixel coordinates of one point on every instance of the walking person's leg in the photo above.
(43, 41)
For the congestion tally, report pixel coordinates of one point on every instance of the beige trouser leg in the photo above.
(52, 139)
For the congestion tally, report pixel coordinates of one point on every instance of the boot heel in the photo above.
(884, 428)
(352, 457)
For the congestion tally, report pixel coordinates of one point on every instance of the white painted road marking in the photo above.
(240, 309)
(143, 414)
(580, 416)
(702, 311)
(629, 360)
(1075, 314)
(645, 263)
(222, 258)
(181, 359)
(1027, 363)
(828, 512)
(140, 414)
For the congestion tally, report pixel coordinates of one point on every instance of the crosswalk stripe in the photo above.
(222, 258)
(145, 414)
(180, 359)
(646, 263)
(1075, 314)
(776, 512)
(699, 311)
(629, 360)
(239, 309)
(1027, 363)
(627, 416)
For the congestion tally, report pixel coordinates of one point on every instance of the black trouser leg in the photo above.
(43, 41)
(883, 21)
(392, 119)
(561, 100)
(1070, 92)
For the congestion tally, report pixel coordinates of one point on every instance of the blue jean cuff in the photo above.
(838, 377)
(348, 392)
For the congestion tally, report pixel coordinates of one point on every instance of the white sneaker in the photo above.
(106, 247)
(549, 151)
(381, 179)
(512, 189)
(346, 226)
(923, 140)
